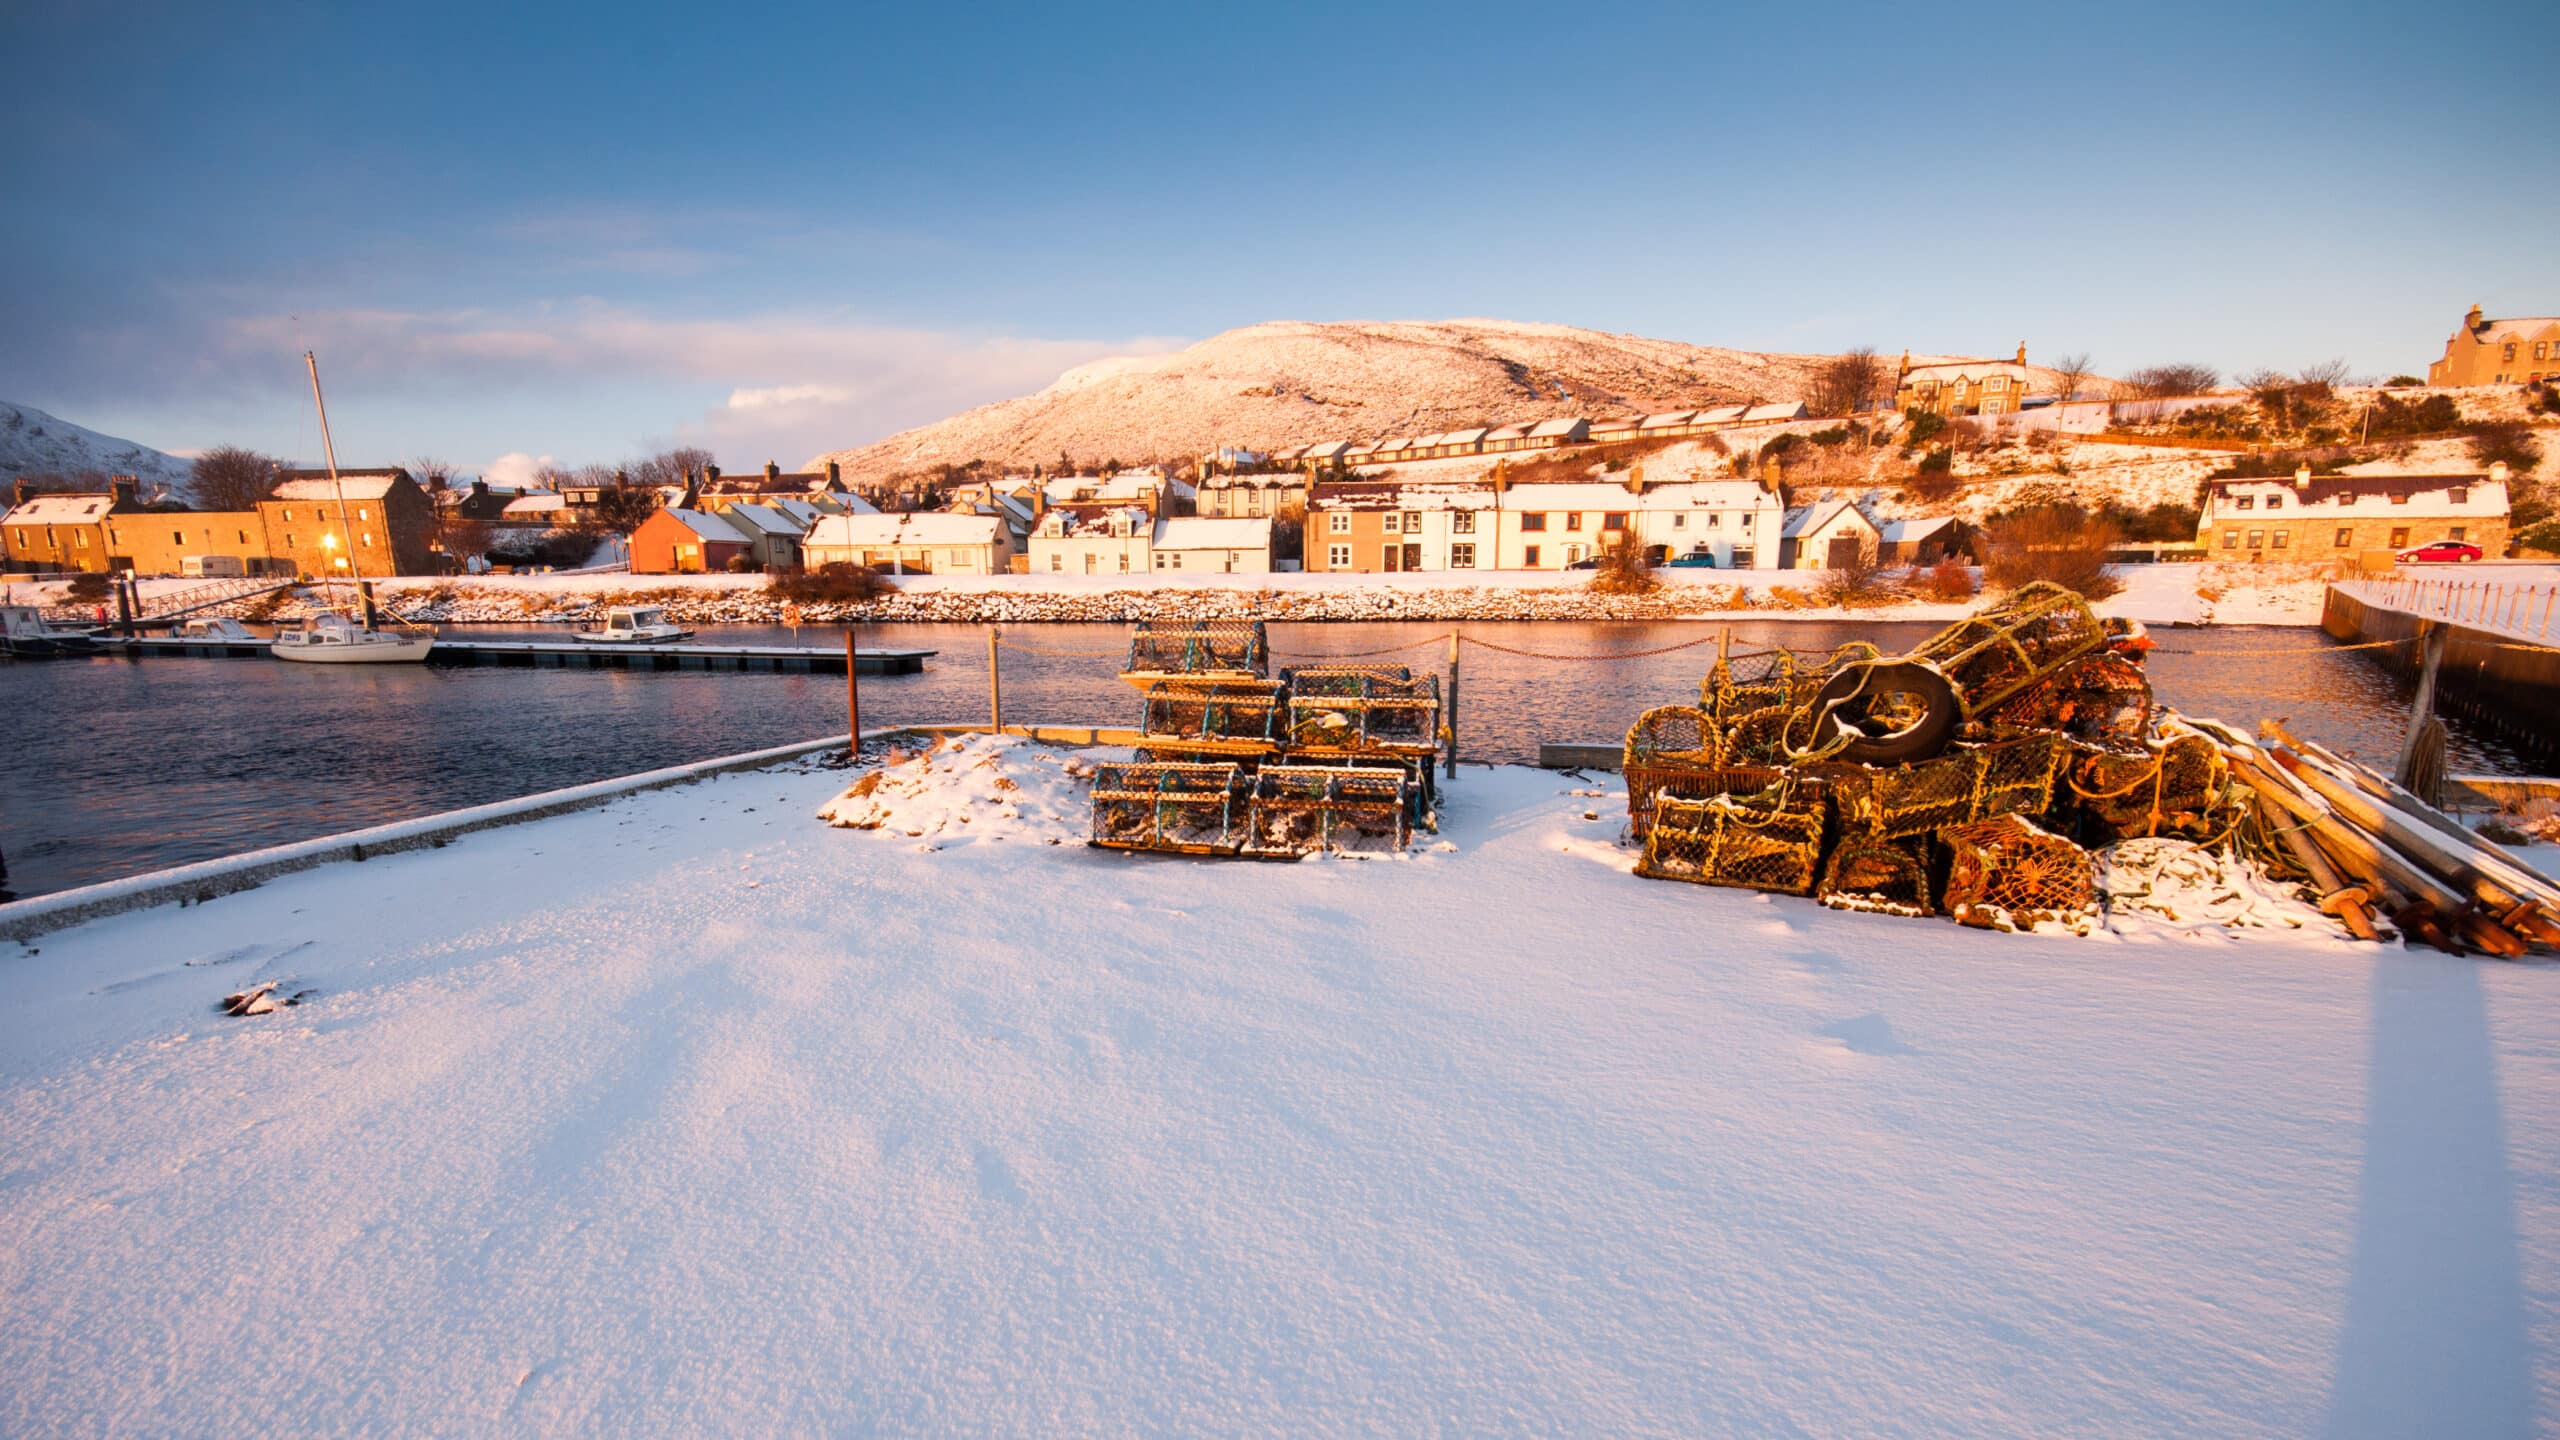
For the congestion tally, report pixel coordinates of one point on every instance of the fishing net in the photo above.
(1195, 809)
(2008, 873)
(1968, 782)
(1779, 679)
(1340, 679)
(2179, 884)
(1867, 872)
(1232, 718)
(1673, 735)
(1991, 656)
(1370, 712)
(1768, 841)
(1159, 648)
(2102, 696)
(1303, 809)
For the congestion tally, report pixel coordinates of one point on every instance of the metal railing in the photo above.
(2525, 612)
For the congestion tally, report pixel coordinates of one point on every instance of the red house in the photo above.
(686, 542)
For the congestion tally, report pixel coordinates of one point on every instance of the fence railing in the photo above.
(2525, 612)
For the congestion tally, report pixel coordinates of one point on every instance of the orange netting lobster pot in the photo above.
(1768, 841)
(1968, 782)
(1869, 872)
(1196, 809)
(2102, 696)
(2177, 784)
(2008, 873)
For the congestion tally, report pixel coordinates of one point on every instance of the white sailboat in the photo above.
(331, 638)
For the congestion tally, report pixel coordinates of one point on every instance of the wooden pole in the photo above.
(995, 687)
(1453, 704)
(2431, 643)
(852, 694)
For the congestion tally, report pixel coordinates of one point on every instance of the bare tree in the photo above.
(227, 477)
(2327, 373)
(2068, 373)
(668, 467)
(1845, 383)
(431, 472)
(2159, 382)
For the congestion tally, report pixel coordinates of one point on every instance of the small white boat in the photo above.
(634, 625)
(217, 629)
(26, 634)
(333, 639)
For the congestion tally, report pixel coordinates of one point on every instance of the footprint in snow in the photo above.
(1869, 1034)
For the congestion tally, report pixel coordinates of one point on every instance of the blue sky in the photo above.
(594, 229)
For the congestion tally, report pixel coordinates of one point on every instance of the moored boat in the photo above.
(27, 635)
(634, 625)
(333, 639)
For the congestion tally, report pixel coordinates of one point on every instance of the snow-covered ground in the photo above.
(695, 1115)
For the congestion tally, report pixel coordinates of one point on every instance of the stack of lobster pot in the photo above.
(1233, 762)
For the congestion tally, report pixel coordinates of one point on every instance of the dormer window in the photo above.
(2244, 502)
(2275, 502)
(2460, 494)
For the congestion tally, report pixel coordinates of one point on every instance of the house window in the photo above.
(1413, 522)
(79, 539)
(2245, 502)
(2282, 538)
(288, 517)
(1124, 562)
(2346, 536)
(2275, 502)
(1463, 557)
(244, 537)
(2257, 539)
(1057, 562)
(1614, 520)
(361, 513)
(2507, 352)
(2461, 494)
(1462, 522)
(1177, 560)
(177, 537)
(1529, 557)
(1391, 522)
(1089, 558)
(365, 538)
(1533, 520)
(2399, 536)
(1339, 522)
(1337, 557)
(1680, 519)
(1573, 520)
(2230, 539)
(2456, 533)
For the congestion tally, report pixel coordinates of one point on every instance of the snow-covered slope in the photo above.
(34, 443)
(1293, 383)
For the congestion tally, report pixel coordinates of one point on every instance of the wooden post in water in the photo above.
(1453, 704)
(2431, 643)
(852, 695)
(995, 687)
(125, 584)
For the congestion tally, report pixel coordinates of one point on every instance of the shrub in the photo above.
(1935, 479)
(2059, 543)
(1624, 570)
(742, 564)
(88, 587)
(839, 582)
(2389, 416)
(1948, 582)
(2508, 440)
(1925, 426)
(2404, 382)
(1860, 582)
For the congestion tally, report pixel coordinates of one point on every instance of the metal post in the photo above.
(124, 602)
(852, 695)
(372, 618)
(995, 687)
(1453, 704)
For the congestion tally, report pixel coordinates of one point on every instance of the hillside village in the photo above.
(1873, 465)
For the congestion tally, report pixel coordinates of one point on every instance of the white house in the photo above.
(1827, 536)
(1198, 544)
(917, 542)
(1091, 539)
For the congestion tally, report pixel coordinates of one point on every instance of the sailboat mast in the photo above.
(355, 567)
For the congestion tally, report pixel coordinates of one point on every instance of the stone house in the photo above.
(387, 527)
(63, 530)
(2499, 352)
(919, 542)
(1962, 387)
(1831, 535)
(2334, 517)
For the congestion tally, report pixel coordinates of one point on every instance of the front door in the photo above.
(1390, 557)
(1844, 552)
(1413, 557)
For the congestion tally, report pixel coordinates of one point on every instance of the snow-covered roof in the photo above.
(1612, 494)
(1463, 437)
(2435, 494)
(539, 502)
(1509, 432)
(1906, 529)
(1775, 410)
(708, 525)
(1094, 521)
(355, 484)
(921, 527)
(1669, 419)
(1953, 370)
(1193, 532)
(2522, 327)
(1722, 414)
(1811, 519)
(61, 510)
(765, 519)
(1545, 428)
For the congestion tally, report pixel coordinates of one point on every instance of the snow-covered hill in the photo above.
(1292, 383)
(35, 443)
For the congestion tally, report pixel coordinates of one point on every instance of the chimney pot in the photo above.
(772, 472)
(2302, 477)
(2498, 471)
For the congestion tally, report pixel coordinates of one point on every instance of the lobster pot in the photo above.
(2175, 785)
(2004, 650)
(1401, 716)
(1650, 786)
(1770, 841)
(1242, 718)
(1421, 784)
(2008, 873)
(2105, 696)
(1351, 680)
(1202, 649)
(1303, 809)
(1968, 782)
(1673, 735)
(1773, 680)
(1195, 809)
(1867, 872)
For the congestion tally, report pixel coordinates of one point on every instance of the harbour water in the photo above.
(112, 767)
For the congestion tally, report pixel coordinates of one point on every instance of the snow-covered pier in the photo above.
(568, 654)
(2501, 659)
(686, 1113)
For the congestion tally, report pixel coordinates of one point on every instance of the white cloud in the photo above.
(515, 469)
(782, 397)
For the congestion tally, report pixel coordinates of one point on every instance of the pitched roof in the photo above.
(63, 509)
(1545, 428)
(2523, 327)
(1196, 532)
(357, 484)
(708, 525)
(1965, 370)
(764, 519)
(919, 527)
(1776, 410)
(2481, 495)
(540, 502)
(1905, 529)
(1806, 519)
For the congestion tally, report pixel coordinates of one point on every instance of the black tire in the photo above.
(1920, 741)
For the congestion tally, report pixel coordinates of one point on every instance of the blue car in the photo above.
(1694, 560)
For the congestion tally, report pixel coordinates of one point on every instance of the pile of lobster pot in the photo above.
(1232, 761)
(1970, 777)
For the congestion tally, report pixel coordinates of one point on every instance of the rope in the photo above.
(1365, 654)
(1613, 655)
(2295, 650)
(1119, 654)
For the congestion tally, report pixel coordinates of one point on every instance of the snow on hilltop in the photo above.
(1291, 383)
(34, 443)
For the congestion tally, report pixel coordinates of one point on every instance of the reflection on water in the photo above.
(114, 767)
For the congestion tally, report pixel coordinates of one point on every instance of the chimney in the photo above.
(122, 487)
(2022, 352)
(2498, 471)
(772, 474)
(1635, 479)
(710, 476)
(2302, 477)
(479, 488)
(834, 477)
(18, 492)
(2472, 321)
(1501, 476)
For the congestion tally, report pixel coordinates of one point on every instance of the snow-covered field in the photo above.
(694, 1115)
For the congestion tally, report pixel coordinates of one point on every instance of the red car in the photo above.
(2441, 552)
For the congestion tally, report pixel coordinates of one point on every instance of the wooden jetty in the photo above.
(566, 654)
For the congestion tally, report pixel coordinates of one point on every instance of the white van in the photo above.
(212, 567)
